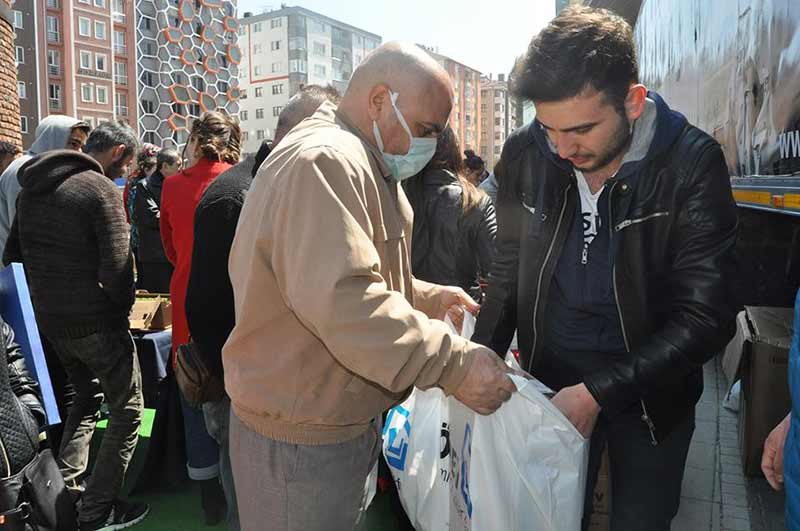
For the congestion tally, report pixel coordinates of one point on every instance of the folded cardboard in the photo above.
(151, 311)
(601, 500)
(759, 356)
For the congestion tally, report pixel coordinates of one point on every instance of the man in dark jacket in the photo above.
(70, 233)
(616, 230)
(214, 228)
(155, 271)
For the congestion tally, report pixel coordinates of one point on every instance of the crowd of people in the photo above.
(313, 279)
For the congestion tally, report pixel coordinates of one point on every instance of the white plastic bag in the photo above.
(522, 468)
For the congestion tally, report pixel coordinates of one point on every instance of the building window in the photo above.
(22, 90)
(102, 95)
(23, 124)
(276, 111)
(53, 32)
(148, 79)
(316, 26)
(242, 30)
(53, 62)
(99, 30)
(259, 114)
(320, 70)
(298, 65)
(275, 45)
(86, 60)
(84, 27)
(148, 107)
(497, 150)
(297, 43)
(497, 136)
(100, 3)
(276, 23)
(87, 93)
(259, 92)
(496, 107)
(257, 27)
(497, 121)
(260, 134)
(119, 43)
(120, 104)
(277, 88)
(245, 136)
(120, 73)
(101, 62)
(276, 67)
(319, 49)
(18, 19)
(258, 48)
(242, 116)
(20, 55)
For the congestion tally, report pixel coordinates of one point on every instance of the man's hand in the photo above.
(487, 384)
(452, 301)
(579, 406)
(772, 458)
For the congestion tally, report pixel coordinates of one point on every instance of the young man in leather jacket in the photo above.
(616, 231)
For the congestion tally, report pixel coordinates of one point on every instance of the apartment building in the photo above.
(499, 117)
(286, 49)
(187, 59)
(464, 118)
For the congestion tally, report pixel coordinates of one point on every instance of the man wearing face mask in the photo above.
(331, 328)
(71, 235)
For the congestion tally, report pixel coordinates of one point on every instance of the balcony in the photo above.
(55, 104)
(54, 36)
(53, 4)
(121, 111)
(120, 49)
(54, 70)
(120, 79)
(118, 18)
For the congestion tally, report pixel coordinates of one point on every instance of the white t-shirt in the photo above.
(589, 212)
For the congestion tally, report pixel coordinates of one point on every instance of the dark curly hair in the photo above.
(218, 137)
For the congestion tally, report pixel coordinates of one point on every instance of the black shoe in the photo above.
(122, 516)
(212, 499)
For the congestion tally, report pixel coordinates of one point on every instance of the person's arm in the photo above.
(23, 385)
(165, 225)
(210, 324)
(13, 250)
(112, 233)
(485, 237)
(497, 321)
(702, 312)
(328, 271)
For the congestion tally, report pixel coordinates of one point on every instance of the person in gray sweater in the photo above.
(71, 235)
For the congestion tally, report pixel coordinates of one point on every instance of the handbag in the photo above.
(197, 382)
(37, 497)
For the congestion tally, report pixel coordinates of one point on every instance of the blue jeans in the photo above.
(218, 421)
(202, 451)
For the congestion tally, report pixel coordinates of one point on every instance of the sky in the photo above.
(487, 35)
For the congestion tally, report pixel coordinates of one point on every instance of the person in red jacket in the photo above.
(214, 146)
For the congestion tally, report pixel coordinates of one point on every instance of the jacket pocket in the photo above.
(640, 219)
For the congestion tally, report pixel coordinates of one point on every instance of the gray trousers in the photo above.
(291, 487)
(103, 363)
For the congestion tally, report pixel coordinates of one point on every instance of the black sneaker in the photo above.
(122, 516)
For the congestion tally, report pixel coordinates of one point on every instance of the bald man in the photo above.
(331, 328)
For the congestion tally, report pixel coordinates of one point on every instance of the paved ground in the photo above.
(716, 496)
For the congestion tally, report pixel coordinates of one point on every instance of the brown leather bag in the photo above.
(195, 380)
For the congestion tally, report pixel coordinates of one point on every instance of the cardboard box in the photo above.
(151, 312)
(599, 522)
(601, 500)
(759, 355)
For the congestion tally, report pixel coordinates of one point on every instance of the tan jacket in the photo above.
(327, 336)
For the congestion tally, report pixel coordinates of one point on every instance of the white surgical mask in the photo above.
(420, 150)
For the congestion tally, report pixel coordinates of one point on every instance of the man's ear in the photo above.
(634, 101)
(118, 152)
(378, 97)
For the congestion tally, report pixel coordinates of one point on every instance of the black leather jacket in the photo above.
(476, 247)
(673, 264)
(21, 411)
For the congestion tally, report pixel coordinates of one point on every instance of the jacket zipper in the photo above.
(629, 222)
(645, 416)
(5, 458)
(541, 273)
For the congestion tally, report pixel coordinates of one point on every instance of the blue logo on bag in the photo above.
(466, 456)
(397, 438)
